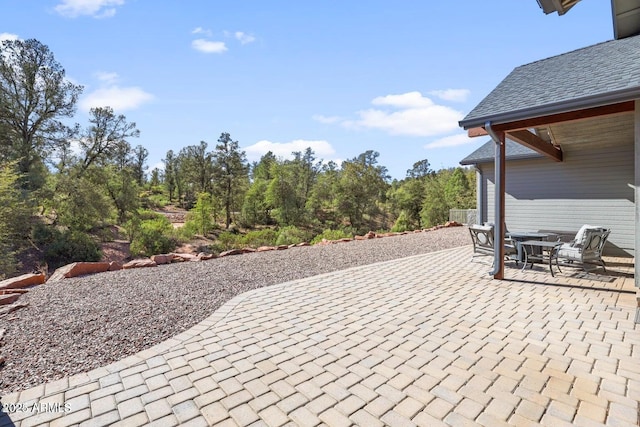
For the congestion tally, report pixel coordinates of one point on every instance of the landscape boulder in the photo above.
(266, 248)
(78, 269)
(162, 258)
(23, 281)
(202, 256)
(231, 252)
(181, 257)
(140, 263)
(453, 224)
(115, 265)
(8, 298)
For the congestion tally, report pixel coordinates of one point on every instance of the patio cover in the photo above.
(599, 80)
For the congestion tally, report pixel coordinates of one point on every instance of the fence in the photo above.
(464, 216)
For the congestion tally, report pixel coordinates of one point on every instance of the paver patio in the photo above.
(428, 340)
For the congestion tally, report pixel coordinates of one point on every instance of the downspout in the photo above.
(498, 244)
(479, 195)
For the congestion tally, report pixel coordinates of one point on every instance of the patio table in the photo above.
(551, 249)
(520, 236)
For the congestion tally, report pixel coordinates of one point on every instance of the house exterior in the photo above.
(590, 186)
(580, 113)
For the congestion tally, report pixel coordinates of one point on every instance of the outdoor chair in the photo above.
(586, 248)
(483, 241)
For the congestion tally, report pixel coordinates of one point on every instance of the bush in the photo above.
(70, 246)
(255, 239)
(228, 240)
(402, 223)
(153, 236)
(291, 235)
(331, 235)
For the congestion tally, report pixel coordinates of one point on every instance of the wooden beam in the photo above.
(473, 132)
(536, 143)
(571, 116)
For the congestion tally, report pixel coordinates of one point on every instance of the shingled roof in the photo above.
(486, 153)
(602, 74)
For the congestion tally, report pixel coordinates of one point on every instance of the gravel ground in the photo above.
(83, 323)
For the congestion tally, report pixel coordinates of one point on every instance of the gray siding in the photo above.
(594, 185)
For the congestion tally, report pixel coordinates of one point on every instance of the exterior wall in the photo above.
(593, 185)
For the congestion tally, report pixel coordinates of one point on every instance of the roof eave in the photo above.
(464, 162)
(577, 104)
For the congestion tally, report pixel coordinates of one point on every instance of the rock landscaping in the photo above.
(78, 320)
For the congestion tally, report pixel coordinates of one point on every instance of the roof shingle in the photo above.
(604, 68)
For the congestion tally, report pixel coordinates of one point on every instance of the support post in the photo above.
(636, 128)
(499, 208)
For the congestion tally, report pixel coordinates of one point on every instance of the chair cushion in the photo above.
(569, 251)
(580, 235)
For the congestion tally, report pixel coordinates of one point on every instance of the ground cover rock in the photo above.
(23, 281)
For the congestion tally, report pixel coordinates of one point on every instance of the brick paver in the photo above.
(425, 340)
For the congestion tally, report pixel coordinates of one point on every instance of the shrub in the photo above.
(331, 235)
(292, 235)
(228, 240)
(70, 246)
(153, 237)
(255, 239)
(402, 223)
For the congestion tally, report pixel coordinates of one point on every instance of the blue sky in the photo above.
(339, 76)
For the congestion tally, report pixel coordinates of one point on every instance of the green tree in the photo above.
(323, 200)
(14, 215)
(281, 194)
(102, 140)
(34, 97)
(363, 183)
(255, 207)
(291, 187)
(140, 156)
(170, 174)
(202, 215)
(435, 209)
(230, 174)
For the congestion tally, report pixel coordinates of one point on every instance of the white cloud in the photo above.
(208, 46)
(244, 38)
(326, 119)
(95, 8)
(321, 148)
(455, 95)
(106, 77)
(405, 100)
(451, 141)
(409, 114)
(118, 98)
(200, 30)
(8, 36)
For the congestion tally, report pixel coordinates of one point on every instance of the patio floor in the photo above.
(427, 340)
